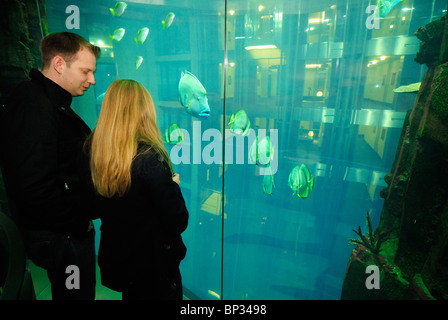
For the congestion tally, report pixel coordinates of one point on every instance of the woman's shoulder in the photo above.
(146, 151)
(148, 158)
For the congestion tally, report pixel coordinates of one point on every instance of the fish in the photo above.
(138, 62)
(240, 123)
(268, 182)
(118, 35)
(168, 20)
(141, 35)
(193, 96)
(101, 96)
(173, 134)
(410, 88)
(300, 181)
(385, 6)
(262, 152)
(119, 8)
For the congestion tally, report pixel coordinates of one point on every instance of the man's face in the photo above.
(78, 75)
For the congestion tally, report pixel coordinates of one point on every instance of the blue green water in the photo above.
(316, 75)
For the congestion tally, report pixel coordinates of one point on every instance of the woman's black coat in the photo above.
(141, 231)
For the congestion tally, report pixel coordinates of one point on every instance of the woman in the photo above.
(139, 201)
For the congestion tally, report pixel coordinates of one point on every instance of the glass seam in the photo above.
(223, 147)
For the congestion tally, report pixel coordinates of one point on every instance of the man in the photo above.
(41, 138)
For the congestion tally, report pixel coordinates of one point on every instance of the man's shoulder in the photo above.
(27, 91)
(28, 86)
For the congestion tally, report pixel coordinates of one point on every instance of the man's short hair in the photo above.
(66, 45)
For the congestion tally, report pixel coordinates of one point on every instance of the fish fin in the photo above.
(112, 11)
(232, 118)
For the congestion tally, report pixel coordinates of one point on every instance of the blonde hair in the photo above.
(127, 116)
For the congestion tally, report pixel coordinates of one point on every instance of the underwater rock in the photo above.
(23, 24)
(388, 178)
(20, 41)
(431, 39)
(418, 288)
(439, 101)
(415, 209)
(354, 287)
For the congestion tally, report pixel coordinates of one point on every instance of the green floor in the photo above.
(43, 290)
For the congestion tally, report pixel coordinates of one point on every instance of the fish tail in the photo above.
(232, 119)
(111, 38)
(112, 11)
(163, 24)
(136, 40)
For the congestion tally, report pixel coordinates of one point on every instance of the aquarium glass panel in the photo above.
(307, 100)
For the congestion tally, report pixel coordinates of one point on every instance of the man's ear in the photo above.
(58, 63)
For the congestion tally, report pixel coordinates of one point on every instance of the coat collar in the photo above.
(59, 96)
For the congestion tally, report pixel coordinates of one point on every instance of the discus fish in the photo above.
(173, 134)
(262, 152)
(101, 96)
(300, 181)
(138, 62)
(385, 6)
(411, 88)
(268, 182)
(119, 8)
(193, 96)
(141, 35)
(168, 20)
(240, 123)
(118, 35)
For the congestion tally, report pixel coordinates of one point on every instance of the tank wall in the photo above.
(317, 77)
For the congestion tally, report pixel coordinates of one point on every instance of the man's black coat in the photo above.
(41, 140)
